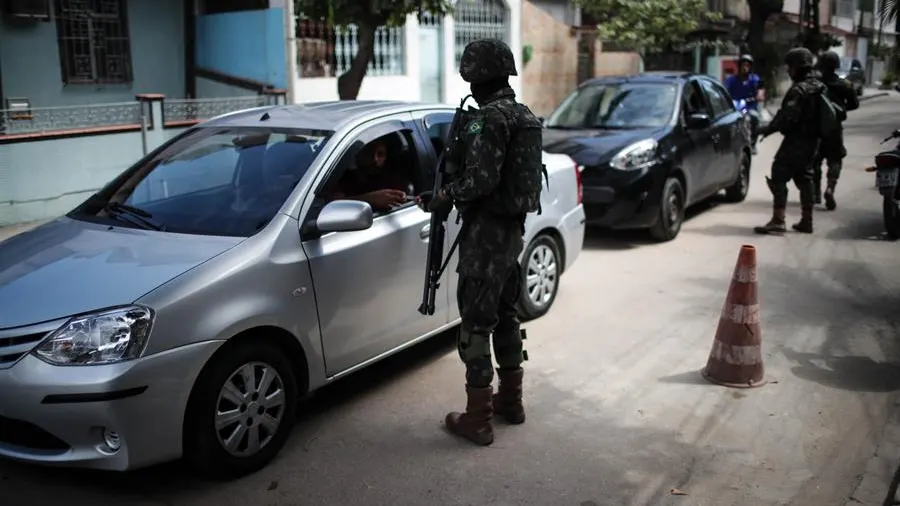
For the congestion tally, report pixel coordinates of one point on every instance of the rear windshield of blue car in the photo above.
(617, 105)
(211, 181)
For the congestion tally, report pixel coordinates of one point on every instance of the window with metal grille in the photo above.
(94, 45)
(479, 19)
(845, 9)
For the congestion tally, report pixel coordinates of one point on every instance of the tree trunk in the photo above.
(350, 81)
(760, 12)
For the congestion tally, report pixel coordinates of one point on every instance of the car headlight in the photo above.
(100, 338)
(636, 156)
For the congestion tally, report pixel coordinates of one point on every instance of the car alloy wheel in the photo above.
(540, 271)
(541, 276)
(738, 191)
(250, 409)
(241, 409)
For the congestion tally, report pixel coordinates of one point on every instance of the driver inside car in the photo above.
(374, 180)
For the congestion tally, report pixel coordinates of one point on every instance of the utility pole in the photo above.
(809, 23)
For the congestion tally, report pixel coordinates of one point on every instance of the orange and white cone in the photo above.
(736, 356)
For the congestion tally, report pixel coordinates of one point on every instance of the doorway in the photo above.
(431, 58)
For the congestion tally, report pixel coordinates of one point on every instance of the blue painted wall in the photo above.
(248, 44)
(44, 179)
(29, 59)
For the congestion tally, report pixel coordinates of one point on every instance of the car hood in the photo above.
(67, 267)
(591, 147)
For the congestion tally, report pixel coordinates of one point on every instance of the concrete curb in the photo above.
(875, 95)
(878, 483)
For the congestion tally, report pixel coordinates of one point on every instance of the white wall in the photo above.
(407, 87)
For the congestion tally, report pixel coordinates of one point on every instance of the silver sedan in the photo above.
(183, 309)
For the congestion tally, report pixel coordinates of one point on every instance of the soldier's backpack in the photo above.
(525, 151)
(830, 117)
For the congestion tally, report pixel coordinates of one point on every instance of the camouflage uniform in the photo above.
(502, 137)
(833, 151)
(796, 120)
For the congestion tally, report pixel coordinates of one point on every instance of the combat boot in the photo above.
(776, 225)
(508, 400)
(830, 203)
(805, 225)
(475, 423)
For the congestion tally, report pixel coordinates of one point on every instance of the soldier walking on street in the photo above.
(797, 120)
(498, 184)
(833, 151)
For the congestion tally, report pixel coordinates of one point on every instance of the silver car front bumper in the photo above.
(57, 415)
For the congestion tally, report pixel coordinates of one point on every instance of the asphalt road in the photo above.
(617, 411)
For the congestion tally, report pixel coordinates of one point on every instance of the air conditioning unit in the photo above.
(38, 10)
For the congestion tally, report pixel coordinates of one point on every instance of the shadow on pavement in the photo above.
(852, 305)
(600, 238)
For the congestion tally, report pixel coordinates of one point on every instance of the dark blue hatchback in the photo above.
(650, 146)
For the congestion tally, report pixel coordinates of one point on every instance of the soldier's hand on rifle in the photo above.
(440, 205)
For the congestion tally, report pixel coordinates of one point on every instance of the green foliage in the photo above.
(888, 79)
(819, 42)
(888, 10)
(368, 12)
(648, 26)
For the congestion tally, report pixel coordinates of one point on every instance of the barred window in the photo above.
(479, 19)
(94, 45)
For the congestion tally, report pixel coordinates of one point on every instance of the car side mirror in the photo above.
(344, 216)
(698, 120)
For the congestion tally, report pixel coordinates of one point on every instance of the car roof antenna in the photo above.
(264, 117)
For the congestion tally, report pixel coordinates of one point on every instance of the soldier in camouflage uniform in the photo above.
(493, 193)
(797, 120)
(833, 151)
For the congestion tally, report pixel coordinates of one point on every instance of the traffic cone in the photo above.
(736, 357)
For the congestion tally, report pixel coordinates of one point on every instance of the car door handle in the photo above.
(425, 232)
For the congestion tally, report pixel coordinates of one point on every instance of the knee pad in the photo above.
(472, 347)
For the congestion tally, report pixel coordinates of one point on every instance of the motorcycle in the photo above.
(750, 115)
(887, 170)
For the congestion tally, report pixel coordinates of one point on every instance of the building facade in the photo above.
(86, 88)
(418, 61)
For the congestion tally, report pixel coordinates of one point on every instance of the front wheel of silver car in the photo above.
(241, 410)
(539, 282)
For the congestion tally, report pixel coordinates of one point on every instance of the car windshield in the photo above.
(212, 181)
(618, 105)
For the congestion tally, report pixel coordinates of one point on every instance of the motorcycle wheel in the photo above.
(891, 212)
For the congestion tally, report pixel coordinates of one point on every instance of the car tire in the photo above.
(891, 214)
(541, 265)
(739, 190)
(204, 448)
(671, 211)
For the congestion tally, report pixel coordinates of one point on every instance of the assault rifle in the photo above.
(448, 163)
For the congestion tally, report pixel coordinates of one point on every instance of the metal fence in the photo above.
(41, 120)
(181, 110)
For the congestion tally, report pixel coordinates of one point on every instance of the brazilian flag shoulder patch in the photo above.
(475, 126)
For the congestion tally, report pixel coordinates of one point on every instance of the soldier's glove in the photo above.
(440, 204)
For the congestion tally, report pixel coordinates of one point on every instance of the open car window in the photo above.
(213, 181)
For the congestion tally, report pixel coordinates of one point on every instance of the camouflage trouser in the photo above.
(782, 174)
(486, 306)
(833, 153)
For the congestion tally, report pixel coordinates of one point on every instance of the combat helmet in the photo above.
(485, 60)
(799, 57)
(829, 60)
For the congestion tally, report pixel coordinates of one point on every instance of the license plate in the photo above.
(886, 178)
